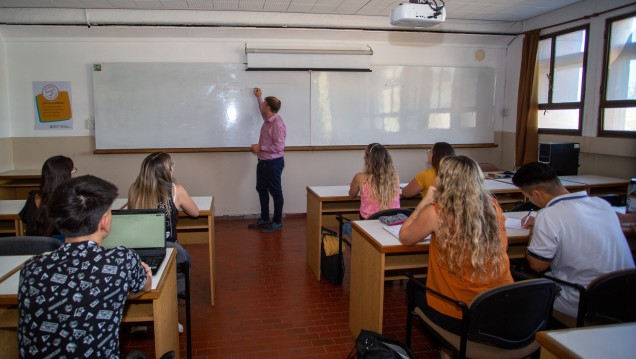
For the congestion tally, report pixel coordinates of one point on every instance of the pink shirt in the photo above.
(272, 137)
(368, 205)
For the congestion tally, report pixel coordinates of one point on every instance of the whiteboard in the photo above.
(403, 105)
(192, 105)
(211, 105)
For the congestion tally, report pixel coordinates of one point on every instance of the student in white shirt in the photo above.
(575, 236)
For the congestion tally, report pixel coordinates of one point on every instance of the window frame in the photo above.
(603, 102)
(565, 105)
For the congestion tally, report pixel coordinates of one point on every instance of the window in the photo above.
(618, 102)
(561, 60)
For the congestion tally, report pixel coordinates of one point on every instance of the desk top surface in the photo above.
(9, 287)
(202, 202)
(386, 242)
(607, 341)
(343, 191)
(10, 207)
(21, 174)
(594, 180)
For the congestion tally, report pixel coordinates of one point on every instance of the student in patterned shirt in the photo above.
(71, 301)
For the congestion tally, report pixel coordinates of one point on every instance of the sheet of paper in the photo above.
(514, 223)
(395, 231)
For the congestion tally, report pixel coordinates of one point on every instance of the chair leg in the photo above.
(409, 313)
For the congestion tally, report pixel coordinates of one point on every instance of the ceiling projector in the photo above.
(417, 15)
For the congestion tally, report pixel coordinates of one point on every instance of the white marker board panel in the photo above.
(192, 105)
(403, 105)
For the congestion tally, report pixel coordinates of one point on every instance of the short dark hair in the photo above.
(274, 103)
(77, 206)
(535, 174)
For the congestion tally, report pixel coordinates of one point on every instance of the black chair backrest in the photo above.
(509, 316)
(391, 212)
(611, 298)
(25, 245)
(522, 206)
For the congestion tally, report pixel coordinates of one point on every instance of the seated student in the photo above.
(378, 185)
(154, 188)
(576, 236)
(71, 301)
(426, 178)
(55, 171)
(467, 254)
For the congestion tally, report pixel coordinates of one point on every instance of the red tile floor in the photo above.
(268, 303)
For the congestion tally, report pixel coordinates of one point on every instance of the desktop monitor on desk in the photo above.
(563, 157)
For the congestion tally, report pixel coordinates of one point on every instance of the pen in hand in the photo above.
(526, 218)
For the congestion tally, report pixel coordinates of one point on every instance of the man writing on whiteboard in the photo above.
(269, 150)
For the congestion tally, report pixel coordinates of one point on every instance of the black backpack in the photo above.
(371, 345)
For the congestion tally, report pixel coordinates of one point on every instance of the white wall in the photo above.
(67, 54)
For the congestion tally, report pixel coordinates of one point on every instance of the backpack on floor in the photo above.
(371, 345)
(331, 259)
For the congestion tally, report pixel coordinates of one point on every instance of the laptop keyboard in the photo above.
(153, 263)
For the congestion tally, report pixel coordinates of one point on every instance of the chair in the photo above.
(184, 268)
(27, 245)
(608, 299)
(499, 323)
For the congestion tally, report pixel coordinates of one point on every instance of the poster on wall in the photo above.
(53, 105)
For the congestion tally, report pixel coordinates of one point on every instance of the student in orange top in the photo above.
(467, 254)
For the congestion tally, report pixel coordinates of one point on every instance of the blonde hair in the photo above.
(381, 174)
(468, 225)
(151, 186)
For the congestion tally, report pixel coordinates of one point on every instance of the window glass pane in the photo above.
(543, 65)
(568, 67)
(620, 119)
(559, 119)
(621, 76)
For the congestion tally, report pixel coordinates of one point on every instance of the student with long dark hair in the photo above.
(55, 171)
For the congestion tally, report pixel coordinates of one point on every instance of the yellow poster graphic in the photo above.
(53, 105)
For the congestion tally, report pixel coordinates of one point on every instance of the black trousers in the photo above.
(268, 182)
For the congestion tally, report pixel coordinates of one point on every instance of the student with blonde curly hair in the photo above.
(378, 185)
(467, 254)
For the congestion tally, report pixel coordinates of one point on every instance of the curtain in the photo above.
(527, 136)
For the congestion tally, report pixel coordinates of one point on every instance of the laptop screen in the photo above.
(137, 229)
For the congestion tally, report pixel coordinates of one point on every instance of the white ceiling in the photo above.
(488, 10)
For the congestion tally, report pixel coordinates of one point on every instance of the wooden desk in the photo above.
(158, 306)
(18, 184)
(376, 254)
(607, 341)
(599, 185)
(323, 202)
(10, 222)
(194, 230)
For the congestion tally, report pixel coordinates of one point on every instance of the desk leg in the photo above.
(314, 222)
(166, 315)
(9, 343)
(212, 253)
(366, 296)
(9, 332)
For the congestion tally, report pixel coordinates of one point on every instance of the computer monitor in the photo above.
(563, 157)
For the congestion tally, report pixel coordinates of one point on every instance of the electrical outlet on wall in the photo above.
(89, 124)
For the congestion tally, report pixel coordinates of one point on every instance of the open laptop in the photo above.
(143, 230)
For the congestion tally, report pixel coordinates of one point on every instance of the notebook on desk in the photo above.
(395, 231)
(142, 230)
